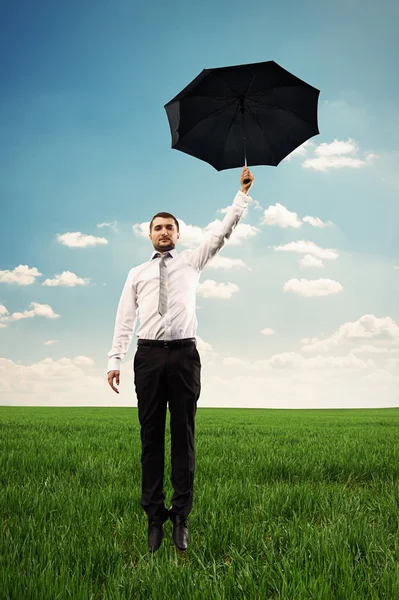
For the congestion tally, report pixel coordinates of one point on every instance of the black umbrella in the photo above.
(257, 113)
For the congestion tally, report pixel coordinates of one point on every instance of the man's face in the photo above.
(164, 234)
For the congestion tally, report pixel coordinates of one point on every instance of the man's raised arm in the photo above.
(215, 240)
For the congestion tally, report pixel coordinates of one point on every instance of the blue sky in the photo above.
(86, 147)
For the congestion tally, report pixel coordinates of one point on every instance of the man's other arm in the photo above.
(124, 324)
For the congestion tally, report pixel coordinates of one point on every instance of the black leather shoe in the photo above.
(155, 532)
(180, 531)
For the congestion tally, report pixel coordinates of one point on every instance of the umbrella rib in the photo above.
(210, 115)
(279, 87)
(248, 88)
(263, 105)
(264, 134)
(238, 106)
(238, 95)
(228, 85)
(223, 97)
(227, 105)
(228, 130)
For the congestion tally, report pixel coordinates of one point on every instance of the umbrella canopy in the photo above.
(256, 113)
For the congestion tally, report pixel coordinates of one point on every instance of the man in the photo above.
(167, 366)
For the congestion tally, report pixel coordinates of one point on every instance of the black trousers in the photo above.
(167, 374)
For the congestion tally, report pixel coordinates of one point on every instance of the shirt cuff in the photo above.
(242, 199)
(114, 364)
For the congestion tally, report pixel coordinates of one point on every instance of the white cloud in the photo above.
(50, 342)
(382, 376)
(284, 380)
(224, 210)
(332, 162)
(211, 289)
(291, 380)
(310, 261)
(281, 216)
(392, 365)
(21, 275)
(202, 345)
(267, 331)
(311, 388)
(38, 310)
(112, 225)
(71, 381)
(335, 156)
(84, 361)
(223, 262)
(190, 235)
(306, 247)
(77, 239)
(316, 222)
(239, 363)
(294, 360)
(337, 148)
(316, 287)
(367, 327)
(256, 204)
(374, 350)
(66, 279)
(241, 232)
(3, 310)
(60, 382)
(302, 150)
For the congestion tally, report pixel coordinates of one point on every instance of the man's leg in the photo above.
(151, 401)
(184, 386)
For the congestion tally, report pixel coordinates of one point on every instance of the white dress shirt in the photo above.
(140, 294)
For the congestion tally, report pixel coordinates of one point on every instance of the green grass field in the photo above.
(287, 504)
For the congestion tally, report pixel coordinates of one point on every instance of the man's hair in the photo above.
(164, 215)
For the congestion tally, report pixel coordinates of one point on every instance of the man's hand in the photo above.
(248, 177)
(111, 375)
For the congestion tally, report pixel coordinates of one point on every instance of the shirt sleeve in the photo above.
(125, 322)
(216, 239)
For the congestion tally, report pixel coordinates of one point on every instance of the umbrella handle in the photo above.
(246, 180)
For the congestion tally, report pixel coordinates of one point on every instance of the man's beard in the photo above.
(168, 245)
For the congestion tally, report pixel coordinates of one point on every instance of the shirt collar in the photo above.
(173, 253)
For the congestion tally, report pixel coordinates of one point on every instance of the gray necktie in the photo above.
(163, 284)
